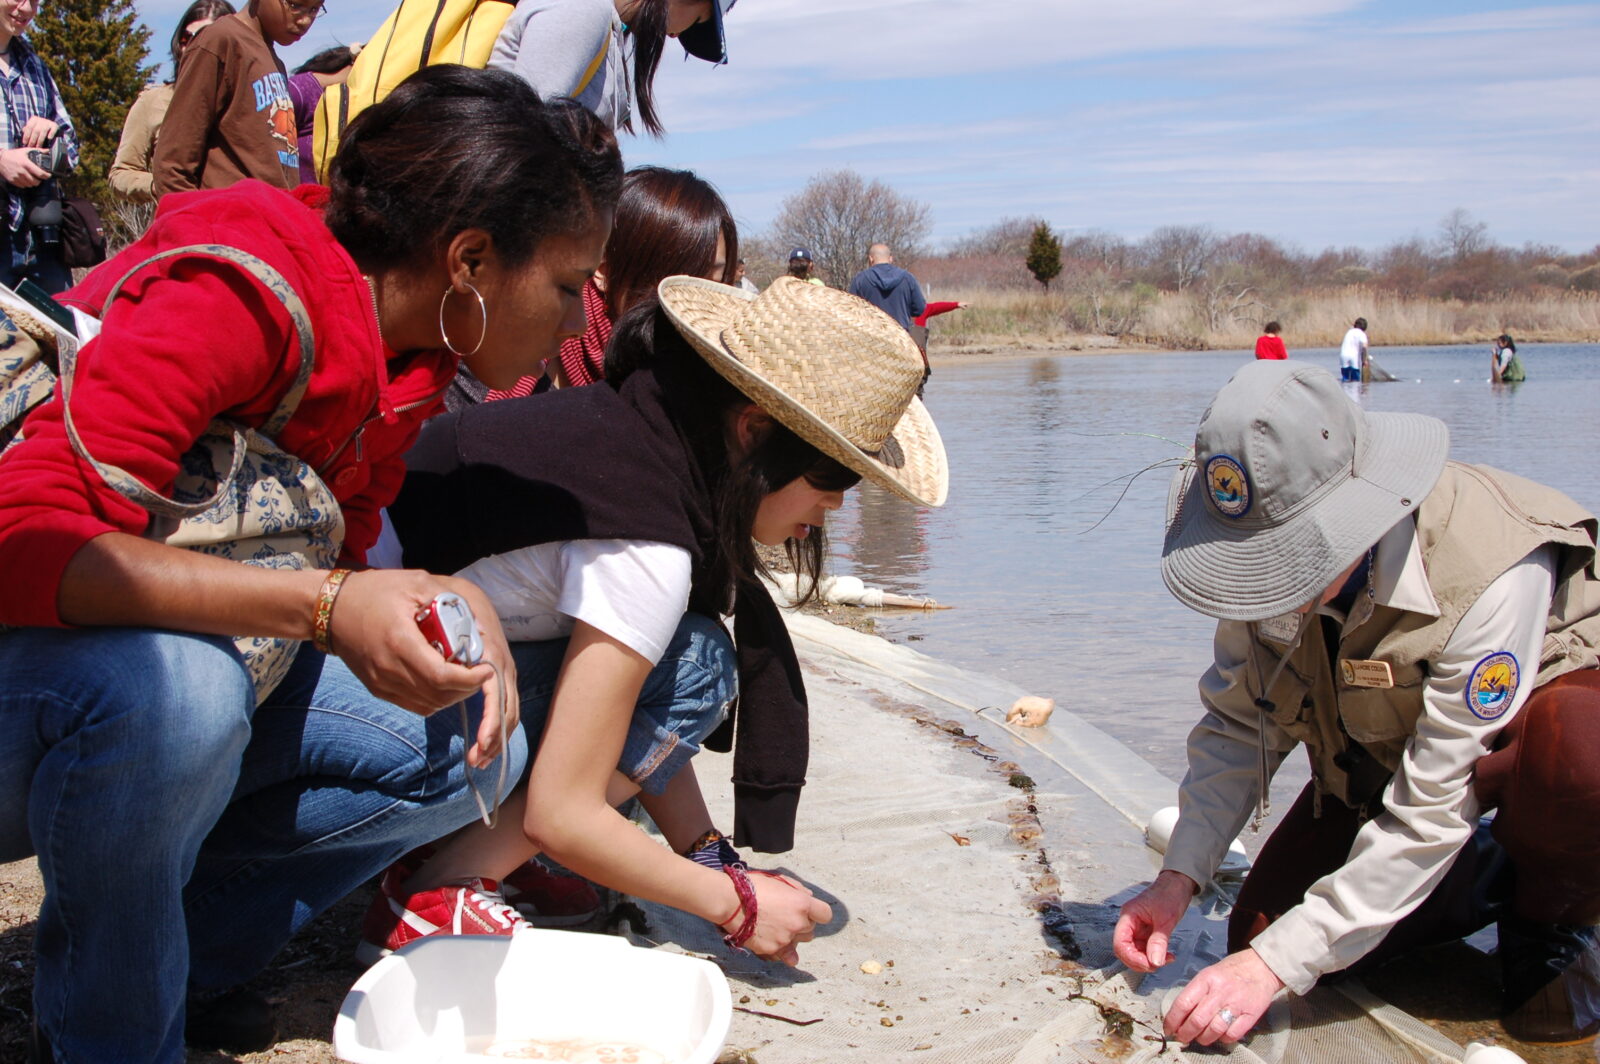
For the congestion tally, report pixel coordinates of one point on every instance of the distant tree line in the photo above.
(1460, 261)
(839, 214)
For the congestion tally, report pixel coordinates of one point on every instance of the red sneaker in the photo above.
(473, 907)
(548, 898)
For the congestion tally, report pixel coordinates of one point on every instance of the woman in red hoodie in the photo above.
(184, 834)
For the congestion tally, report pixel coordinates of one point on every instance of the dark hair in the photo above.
(453, 148)
(1506, 341)
(700, 399)
(648, 28)
(328, 61)
(1273, 328)
(800, 268)
(211, 9)
(1361, 323)
(668, 222)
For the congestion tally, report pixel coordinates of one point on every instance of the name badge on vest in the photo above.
(1361, 673)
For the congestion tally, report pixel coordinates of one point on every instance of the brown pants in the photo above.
(1541, 864)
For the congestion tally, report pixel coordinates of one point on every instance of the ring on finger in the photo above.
(1227, 1017)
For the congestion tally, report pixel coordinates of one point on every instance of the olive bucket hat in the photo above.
(833, 369)
(1291, 481)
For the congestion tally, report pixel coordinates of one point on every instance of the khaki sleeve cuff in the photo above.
(1295, 949)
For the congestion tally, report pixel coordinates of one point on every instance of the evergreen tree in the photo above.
(95, 49)
(1044, 255)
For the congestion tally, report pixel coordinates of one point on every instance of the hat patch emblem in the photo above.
(1227, 486)
(1492, 685)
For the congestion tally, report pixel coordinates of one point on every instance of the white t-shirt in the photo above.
(1354, 346)
(636, 592)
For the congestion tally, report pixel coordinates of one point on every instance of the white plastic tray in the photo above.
(448, 998)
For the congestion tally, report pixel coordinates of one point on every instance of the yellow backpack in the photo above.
(418, 34)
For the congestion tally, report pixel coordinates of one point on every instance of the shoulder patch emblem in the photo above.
(1227, 487)
(1492, 685)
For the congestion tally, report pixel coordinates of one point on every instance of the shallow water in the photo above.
(1057, 585)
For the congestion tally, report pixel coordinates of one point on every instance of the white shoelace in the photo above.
(491, 903)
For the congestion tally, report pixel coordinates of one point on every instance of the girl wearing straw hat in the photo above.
(1428, 630)
(611, 526)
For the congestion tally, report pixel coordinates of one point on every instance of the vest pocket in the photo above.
(1383, 714)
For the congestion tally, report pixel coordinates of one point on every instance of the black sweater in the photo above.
(598, 463)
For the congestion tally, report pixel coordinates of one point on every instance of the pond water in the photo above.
(1056, 583)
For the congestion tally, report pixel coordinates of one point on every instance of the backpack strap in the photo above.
(125, 483)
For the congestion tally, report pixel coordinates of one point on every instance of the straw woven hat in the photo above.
(833, 369)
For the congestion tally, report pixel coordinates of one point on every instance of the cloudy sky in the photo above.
(1316, 122)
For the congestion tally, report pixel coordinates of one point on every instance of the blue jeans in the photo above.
(684, 698)
(184, 835)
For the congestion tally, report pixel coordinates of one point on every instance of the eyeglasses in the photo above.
(308, 11)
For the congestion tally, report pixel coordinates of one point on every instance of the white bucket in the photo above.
(453, 998)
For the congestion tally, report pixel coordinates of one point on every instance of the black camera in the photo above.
(52, 158)
(44, 201)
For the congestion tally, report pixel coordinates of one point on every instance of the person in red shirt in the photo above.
(1270, 344)
(183, 833)
(919, 333)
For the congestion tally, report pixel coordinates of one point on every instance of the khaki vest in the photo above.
(1474, 526)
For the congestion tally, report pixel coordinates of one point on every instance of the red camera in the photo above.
(448, 625)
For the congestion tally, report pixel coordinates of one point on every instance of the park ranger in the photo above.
(1428, 631)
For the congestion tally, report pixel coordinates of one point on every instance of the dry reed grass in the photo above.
(1006, 317)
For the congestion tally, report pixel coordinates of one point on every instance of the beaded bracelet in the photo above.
(747, 906)
(322, 616)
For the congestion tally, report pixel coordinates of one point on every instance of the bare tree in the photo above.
(1106, 250)
(1179, 254)
(839, 215)
(1405, 265)
(1460, 236)
(1009, 237)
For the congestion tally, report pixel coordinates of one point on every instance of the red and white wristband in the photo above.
(747, 907)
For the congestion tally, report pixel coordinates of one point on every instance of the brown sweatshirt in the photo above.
(231, 116)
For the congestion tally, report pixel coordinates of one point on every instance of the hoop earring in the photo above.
(483, 318)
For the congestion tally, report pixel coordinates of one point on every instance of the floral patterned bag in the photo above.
(237, 494)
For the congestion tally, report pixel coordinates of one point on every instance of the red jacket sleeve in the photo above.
(188, 340)
(933, 310)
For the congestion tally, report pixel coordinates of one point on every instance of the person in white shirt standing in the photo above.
(1429, 631)
(1353, 351)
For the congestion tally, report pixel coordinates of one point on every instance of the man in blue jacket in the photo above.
(888, 287)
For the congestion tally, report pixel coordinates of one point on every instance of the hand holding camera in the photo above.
(52, 158)
(18, 169)
(43, 155)
(449, 627)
